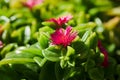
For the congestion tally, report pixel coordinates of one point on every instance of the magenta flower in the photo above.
(1, 44)
(105, 53)
(61, 20)
(31, 3)
(63, 37)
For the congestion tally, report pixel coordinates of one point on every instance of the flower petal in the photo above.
(61, 20)
(32, 3)
(63, 37)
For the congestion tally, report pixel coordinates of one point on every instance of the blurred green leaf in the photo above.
(40, 61)
(52, 53)
(85, 36)
(43, 40)
(81, 49)
(70, 51)
(96, 74)
(59, 71)
(91, 42)
(48, 72)
(5, 73)
(89, 64)
(27, 71)
(23, 52)
(8, 48)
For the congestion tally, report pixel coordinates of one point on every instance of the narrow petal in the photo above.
(61, 20)
(68, 30)
(63, 37)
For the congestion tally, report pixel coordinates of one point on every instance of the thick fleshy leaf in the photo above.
(40, 61)
(23, 52)
(8, 48)
(16, 60)
(43, 40)
(70, 51)
(99, 27)
(86, 35)
(46, 29)
(67, 59)
(80, 48)
(96, 74)
(52, 53)
(91, 42)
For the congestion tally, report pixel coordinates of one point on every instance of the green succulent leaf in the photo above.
(52, 53)
(8, 48)
(40, 61)
(23, 52)
(91, 42)
(43, 40)
(86, 35)
(70, 51)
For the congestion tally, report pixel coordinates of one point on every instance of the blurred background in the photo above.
(20, 21)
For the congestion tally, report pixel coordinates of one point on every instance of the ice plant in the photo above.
(61, 20)
(105, 53)
(63, 37)
(1, 44)
(31, 3)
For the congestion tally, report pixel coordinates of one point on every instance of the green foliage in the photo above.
(43, 40)
(52, 53)
(91, 42)
(48, 72)
(96, 74)
(28, 54)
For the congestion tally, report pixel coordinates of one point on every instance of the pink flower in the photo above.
(63, 37)
(32, 3)
(61, 20)
(1, 44)
(105, 53)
